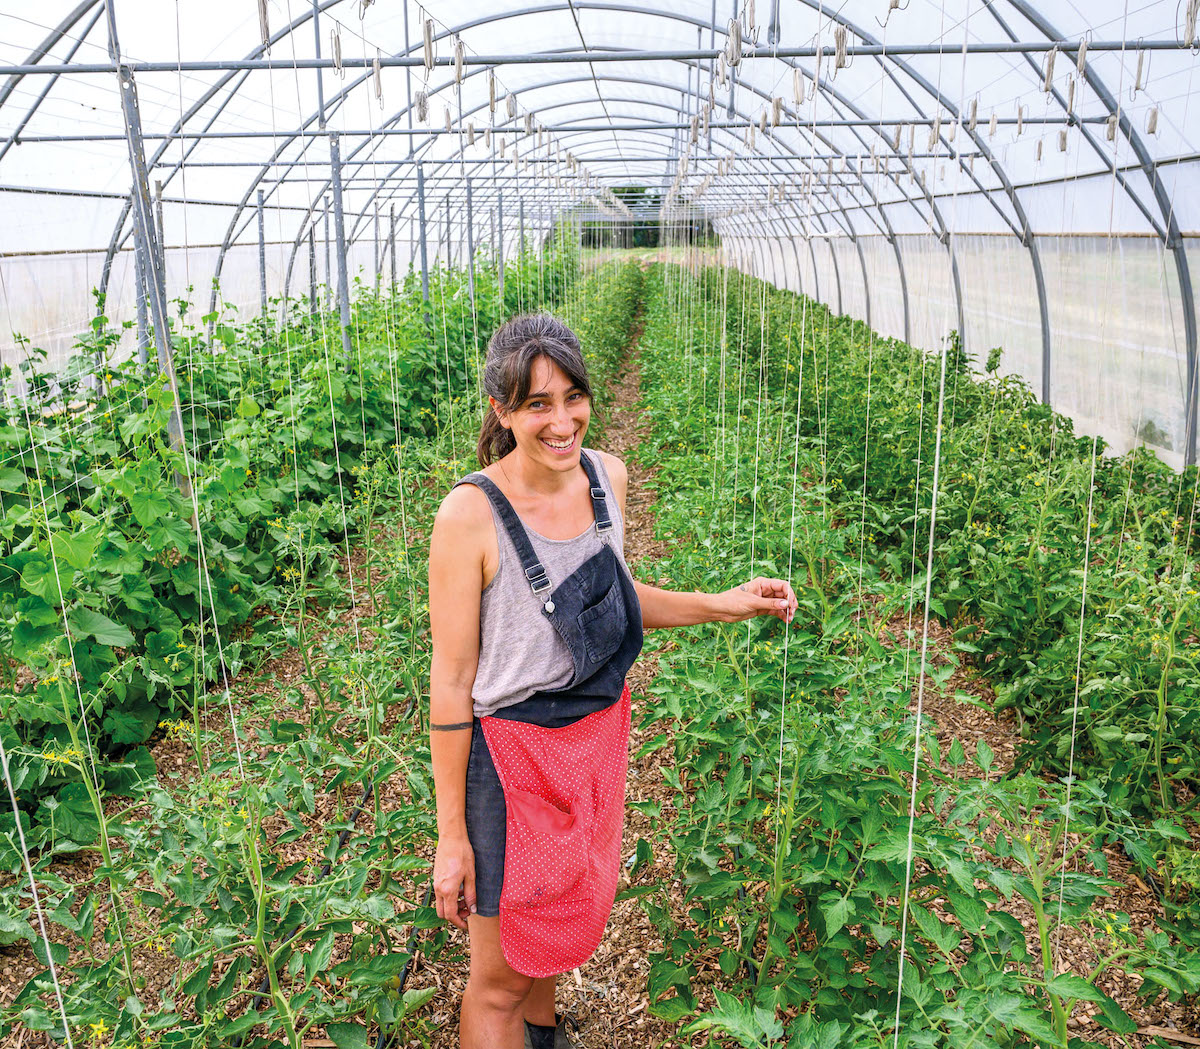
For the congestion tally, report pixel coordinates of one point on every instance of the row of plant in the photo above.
(1013, 535)
(792, 753)
(115, 582)
(281, 867)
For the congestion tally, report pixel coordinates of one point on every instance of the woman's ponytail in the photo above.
(495, 440)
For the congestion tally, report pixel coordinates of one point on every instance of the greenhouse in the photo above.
(880, 320)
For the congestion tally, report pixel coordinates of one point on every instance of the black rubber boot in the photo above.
(539, 1037)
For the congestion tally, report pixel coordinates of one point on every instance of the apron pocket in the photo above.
(549, 940)
(603, 625)
(546, 858)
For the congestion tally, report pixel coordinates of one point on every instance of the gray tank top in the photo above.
(520, 652)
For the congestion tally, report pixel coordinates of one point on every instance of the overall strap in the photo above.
(599, 503)
(535, 574)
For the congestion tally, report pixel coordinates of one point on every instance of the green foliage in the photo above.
(791, 755)
(111, 595)
(272, 848)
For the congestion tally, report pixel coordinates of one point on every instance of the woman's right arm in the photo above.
(455, 585)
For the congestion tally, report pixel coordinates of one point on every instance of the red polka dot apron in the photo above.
(562, 758)
(565, 789)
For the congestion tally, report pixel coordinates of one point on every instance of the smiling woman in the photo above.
(536, 620)
(523, 359)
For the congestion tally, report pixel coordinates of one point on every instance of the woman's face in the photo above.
(550, 423)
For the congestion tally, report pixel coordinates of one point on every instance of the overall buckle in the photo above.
(537, 578)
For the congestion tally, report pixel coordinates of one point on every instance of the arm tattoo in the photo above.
(458, 726)
(742, 587)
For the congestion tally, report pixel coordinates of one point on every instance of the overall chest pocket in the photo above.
(604, 624)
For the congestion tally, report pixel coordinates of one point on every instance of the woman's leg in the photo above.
(539, 1004)
(495, 999)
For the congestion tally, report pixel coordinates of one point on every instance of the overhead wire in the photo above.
(922, 671)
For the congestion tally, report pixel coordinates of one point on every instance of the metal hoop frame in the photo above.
(790, 155)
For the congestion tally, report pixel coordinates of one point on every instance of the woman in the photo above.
(535, 621)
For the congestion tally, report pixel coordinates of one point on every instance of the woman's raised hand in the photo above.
(759, 597)
(454, 879)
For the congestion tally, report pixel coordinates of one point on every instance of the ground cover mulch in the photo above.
(608, 994)
(1075, 950)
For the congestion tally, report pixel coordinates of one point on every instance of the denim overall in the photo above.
(546, 776)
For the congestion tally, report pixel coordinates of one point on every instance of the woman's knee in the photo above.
(503, 992)
(494, 982)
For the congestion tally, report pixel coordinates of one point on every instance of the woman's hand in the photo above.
(454, 879)
(759, 597)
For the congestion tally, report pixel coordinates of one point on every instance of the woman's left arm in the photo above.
(759, 597)
(667, 608)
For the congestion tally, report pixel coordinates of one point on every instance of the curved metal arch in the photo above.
(119, 235)
(1026, 236)
(827, 88)
(930, 199)
(1109, 103)
(449, 161)
(1173, 240)
(346, 91)
(750, 235)
(778, 161)
(652, 131)
(841, 101)
(1109, 164)
(485, 20)
(340, 98)
(556, 7)
(750, 238)
(43, 49)
(20, 125)
(744, 218)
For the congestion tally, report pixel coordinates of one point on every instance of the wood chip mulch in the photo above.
(608, 994)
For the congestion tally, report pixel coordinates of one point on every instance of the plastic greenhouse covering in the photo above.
(1022, 171)
(879, 317)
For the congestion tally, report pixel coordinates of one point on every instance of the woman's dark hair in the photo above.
(508, 372)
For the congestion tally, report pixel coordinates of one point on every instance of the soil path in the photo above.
(609, 994)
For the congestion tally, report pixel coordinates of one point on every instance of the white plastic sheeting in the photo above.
(1011, 160)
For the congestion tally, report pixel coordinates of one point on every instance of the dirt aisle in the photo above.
(609, 993)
